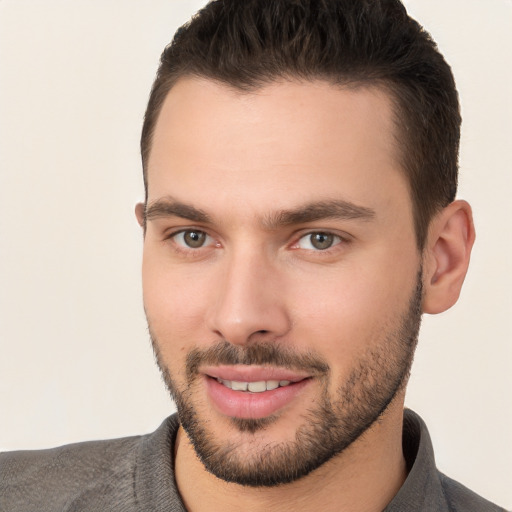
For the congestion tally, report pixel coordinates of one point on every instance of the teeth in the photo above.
(257, 387)
(239, 386)
(226, 383)
(272, 384)
(254, 387)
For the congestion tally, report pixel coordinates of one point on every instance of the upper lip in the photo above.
(249, 373)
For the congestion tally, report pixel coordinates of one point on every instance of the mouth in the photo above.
(258, 386)
(253, 392)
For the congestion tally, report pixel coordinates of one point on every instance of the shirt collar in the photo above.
(422, 489)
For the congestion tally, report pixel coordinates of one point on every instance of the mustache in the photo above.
(261, 354)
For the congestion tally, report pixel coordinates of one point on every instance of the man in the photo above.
(300, 167)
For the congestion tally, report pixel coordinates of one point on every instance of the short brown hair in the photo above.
(249, 43)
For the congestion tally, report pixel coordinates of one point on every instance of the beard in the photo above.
(327, 428)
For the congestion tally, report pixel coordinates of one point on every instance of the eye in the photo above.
(192, 238)
(318, 241)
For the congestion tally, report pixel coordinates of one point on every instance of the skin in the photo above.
(241, 159)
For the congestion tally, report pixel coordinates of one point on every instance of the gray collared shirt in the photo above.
(137, 474)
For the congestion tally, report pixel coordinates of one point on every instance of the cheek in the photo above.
(174, 302)
(344, 315)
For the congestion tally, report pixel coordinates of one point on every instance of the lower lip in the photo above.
(247, 405)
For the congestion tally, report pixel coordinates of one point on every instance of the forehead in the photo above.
(285, 141)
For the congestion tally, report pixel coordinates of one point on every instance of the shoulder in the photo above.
(425, 487)
(460, 498)
(54, 478)
(119, 474)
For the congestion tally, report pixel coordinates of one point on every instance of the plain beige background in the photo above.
(75, 359)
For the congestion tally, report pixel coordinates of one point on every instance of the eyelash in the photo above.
(335, 240)
(183, 248)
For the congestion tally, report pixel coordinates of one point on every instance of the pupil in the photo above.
(194, 238)
(321, 240)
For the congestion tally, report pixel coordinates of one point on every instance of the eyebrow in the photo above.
(309, 212)
(169, 207)
(319, 210)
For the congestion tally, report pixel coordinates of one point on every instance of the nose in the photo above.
(250, 301)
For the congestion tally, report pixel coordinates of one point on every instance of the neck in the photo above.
(363, 478)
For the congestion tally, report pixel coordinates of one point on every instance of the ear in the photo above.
(446, 256)
(139, 213)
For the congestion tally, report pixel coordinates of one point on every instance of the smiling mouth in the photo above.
(254, 393)
(254, 387)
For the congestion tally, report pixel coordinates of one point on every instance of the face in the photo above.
(282, 280)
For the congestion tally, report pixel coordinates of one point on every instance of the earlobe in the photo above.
(446, 256)
(139, 213)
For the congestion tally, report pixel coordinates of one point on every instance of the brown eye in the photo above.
(318, 241)
(321, 240)
(192, 239)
